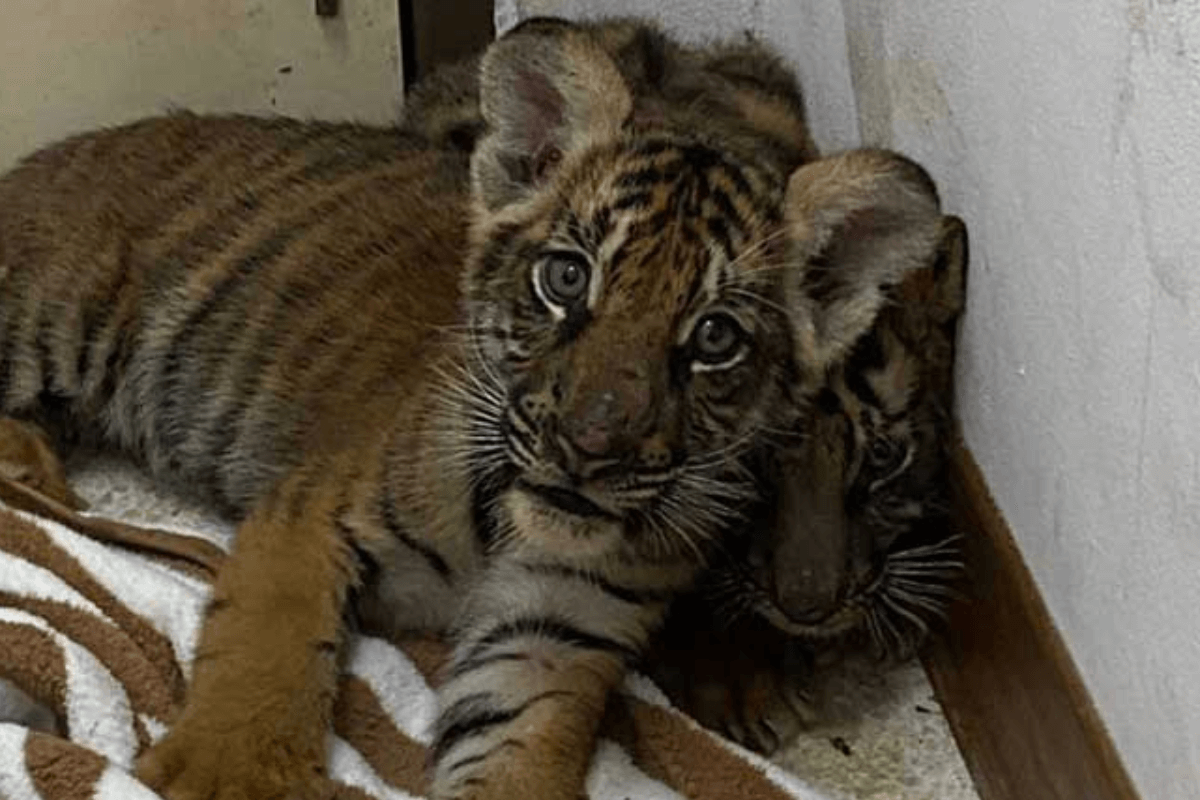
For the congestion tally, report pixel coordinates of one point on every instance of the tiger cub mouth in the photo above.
(567, 500)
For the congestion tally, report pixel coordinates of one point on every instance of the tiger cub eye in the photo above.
(716, 338)
(564, 279)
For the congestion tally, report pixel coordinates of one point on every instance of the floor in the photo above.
(886, 740)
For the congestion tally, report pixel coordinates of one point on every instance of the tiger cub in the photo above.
(853, 538)
(513, 412)
(744, 676)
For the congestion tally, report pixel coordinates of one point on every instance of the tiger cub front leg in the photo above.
(257, 714)
(529, 681)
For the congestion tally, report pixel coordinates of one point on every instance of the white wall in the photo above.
(69, 66)
(1067, 133)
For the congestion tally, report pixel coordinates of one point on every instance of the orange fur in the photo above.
(329, 332)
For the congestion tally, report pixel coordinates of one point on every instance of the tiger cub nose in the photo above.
(594, 430)
(605, 420)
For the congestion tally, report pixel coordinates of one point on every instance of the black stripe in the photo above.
(637, 199)
(470, 665)
(857, 383)
(554, 628)
(486, 754)
(13, 347)
(738, 178)
(468, 716)
(643, 179)
(828, 402)
(726, 208)
(694, 287)
(577, 319)
(251, 376)
(655, 147)
(473, 715)
(116, 365)
(390, 516)
(96, 316)
(628, 594)
(352, 153)
(42, 343)
(486, 487)
(719, 230)
(567, 501)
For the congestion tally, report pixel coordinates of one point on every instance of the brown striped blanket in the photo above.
(98, 621)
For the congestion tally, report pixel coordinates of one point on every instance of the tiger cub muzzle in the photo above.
(597, 440)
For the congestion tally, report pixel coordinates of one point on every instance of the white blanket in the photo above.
(96, 643)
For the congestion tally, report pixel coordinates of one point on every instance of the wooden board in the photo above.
(1023, 719)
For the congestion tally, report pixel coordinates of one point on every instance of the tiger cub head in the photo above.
(645, 303)
(856, 539)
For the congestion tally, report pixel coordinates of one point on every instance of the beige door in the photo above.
(70, 65)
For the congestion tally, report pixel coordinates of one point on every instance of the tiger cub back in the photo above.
(192, 288)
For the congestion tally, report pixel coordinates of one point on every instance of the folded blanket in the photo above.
(98, 625)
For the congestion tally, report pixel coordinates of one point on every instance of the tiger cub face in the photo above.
(640, 294)
(857, 537)
(622, 296)
(637, 334)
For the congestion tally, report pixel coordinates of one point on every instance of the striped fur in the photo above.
(277, 315)
(893, 393)
(854, 545)
(738, 89)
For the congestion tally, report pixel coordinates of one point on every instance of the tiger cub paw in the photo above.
(749, 684)
(238, 764)
(761, 705)
(28, 458)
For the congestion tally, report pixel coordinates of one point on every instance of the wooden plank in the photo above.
(1024, 721)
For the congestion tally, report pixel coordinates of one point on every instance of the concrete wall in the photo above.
(1067, 133)
(69, 66)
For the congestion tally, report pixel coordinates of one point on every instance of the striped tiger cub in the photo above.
(840, 545)
(853, 538)
(512, 399)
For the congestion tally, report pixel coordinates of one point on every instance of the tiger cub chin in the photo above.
(853, 539)
(512, 407)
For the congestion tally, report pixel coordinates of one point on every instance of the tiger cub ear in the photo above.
(544, 91)
(945, 295)
(857, 224)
